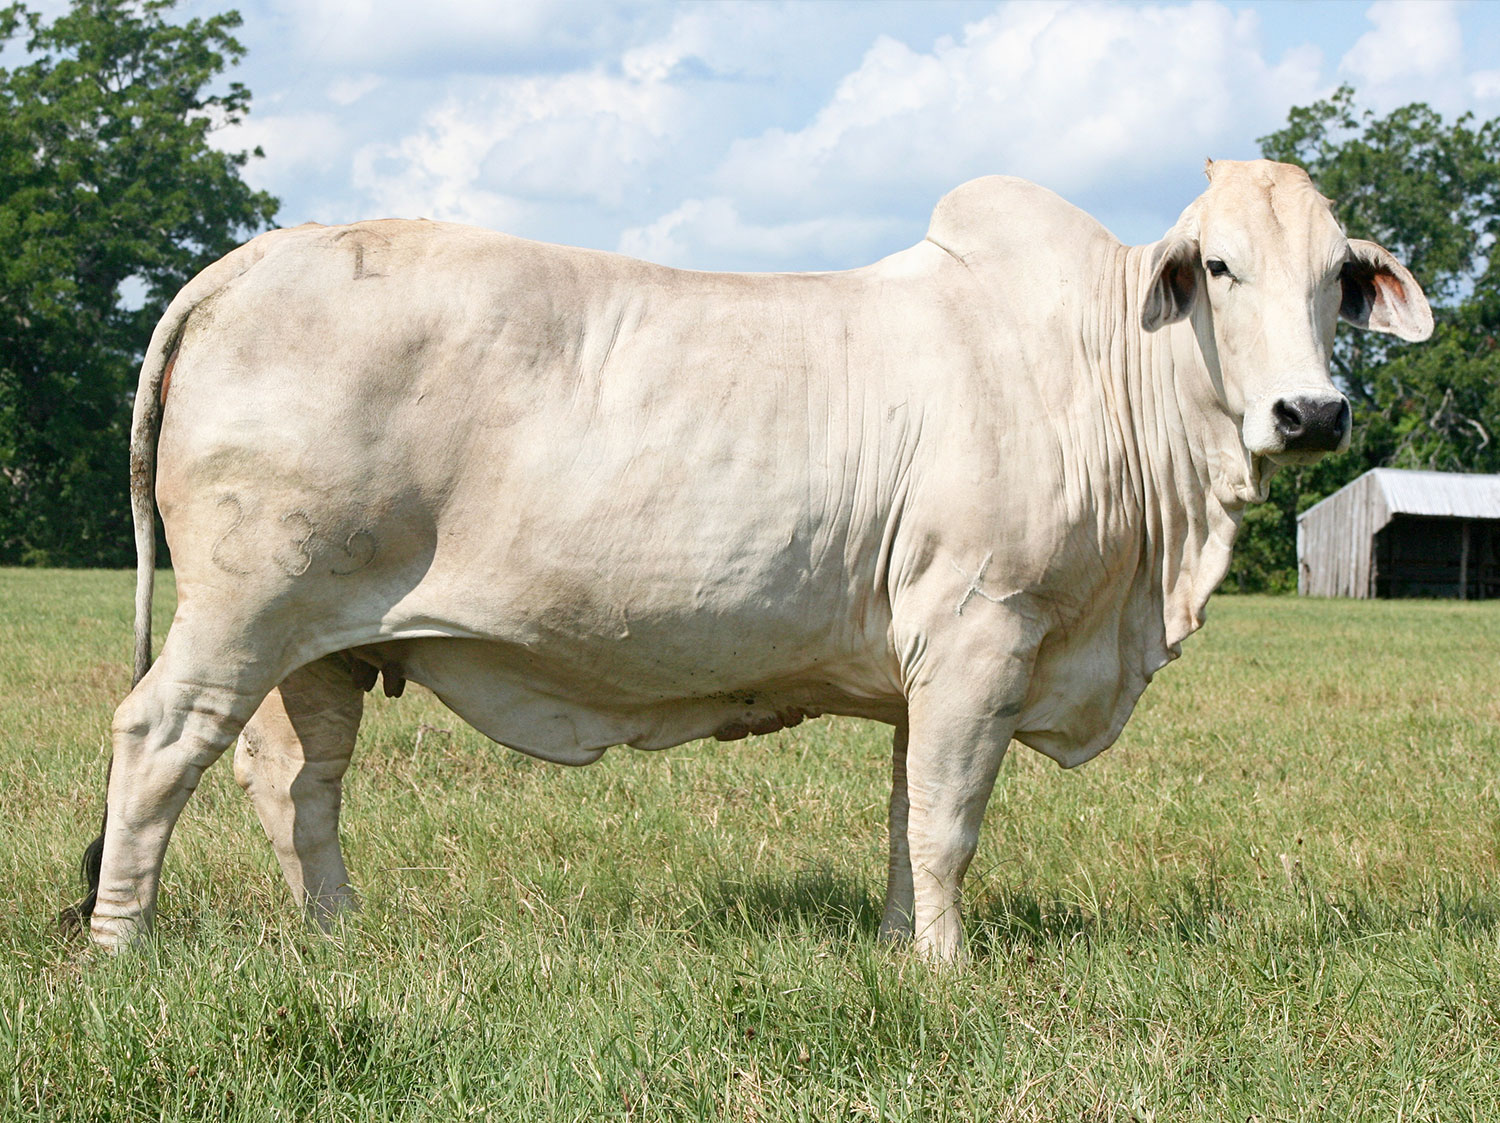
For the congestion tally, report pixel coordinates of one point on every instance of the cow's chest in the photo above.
(1087, 676)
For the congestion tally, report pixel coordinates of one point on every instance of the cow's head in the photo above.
(1263, 270)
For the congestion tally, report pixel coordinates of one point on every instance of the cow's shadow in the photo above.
(819, 903)
(1000, 922)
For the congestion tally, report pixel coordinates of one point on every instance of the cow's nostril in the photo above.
(1288, 419)
(1311, 424)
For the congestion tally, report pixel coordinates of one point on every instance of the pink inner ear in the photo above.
(1392, 308)
(1390, 289)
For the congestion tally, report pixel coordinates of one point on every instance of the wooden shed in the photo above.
(1398, 533)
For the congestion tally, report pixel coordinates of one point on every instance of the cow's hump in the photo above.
(999, 216)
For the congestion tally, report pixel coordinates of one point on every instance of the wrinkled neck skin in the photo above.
(1182, 449)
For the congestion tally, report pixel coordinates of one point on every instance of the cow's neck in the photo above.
(1181, 452)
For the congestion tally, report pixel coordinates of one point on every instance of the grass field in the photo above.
(1278, 897)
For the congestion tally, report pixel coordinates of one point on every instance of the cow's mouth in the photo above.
(1264, 465)
(1298, 458)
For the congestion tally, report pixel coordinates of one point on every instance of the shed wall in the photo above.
(1335, 542)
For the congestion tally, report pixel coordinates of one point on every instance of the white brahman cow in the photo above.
(979, 490)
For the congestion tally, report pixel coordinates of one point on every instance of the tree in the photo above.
(1430, 193)
(108, 184)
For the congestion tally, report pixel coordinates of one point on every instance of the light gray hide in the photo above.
(590, 501)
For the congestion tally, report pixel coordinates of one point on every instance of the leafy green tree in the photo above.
(108, 184)
(1430, 193)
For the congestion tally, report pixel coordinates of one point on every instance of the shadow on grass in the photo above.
(1200, 910)
(823, 905)
(1203, 911)
(816, 902)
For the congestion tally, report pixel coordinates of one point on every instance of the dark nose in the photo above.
(1311, 424)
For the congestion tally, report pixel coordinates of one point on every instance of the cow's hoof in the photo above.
(942, 949)
(115, 933)
(326, 913)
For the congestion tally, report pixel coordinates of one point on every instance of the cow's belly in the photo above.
(561, 712)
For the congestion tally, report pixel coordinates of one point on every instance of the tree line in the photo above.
(112, 196)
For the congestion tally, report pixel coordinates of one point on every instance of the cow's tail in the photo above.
(145, 427)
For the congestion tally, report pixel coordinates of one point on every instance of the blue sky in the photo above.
(807, 135)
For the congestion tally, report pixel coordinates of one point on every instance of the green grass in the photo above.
(1277, 898)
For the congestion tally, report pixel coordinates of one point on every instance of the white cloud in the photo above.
(794, 135)
(1409, 39)
(711, 231)
(493, 144)
(1067, 94)
(1413, 53)
(1096, 100)
(346, 91)
(297, 145)
(1484, 85)
(746, 41)
(456, 35)
(614, 136)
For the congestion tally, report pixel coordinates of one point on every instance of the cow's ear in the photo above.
(1380, 294)
(1173, 284)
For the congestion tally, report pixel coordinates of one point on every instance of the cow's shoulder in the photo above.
(999, 217)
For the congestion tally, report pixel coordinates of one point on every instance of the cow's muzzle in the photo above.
(1312, 424)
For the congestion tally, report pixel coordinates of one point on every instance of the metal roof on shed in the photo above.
(1439, 493)
(1410, 492)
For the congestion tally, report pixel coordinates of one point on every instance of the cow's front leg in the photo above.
(952, 758)
(896, 924)
(291, 759)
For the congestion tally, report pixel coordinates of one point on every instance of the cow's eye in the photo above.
(1216, 268)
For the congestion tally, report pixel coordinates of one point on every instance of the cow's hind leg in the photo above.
(291, 758)
(176, 722)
